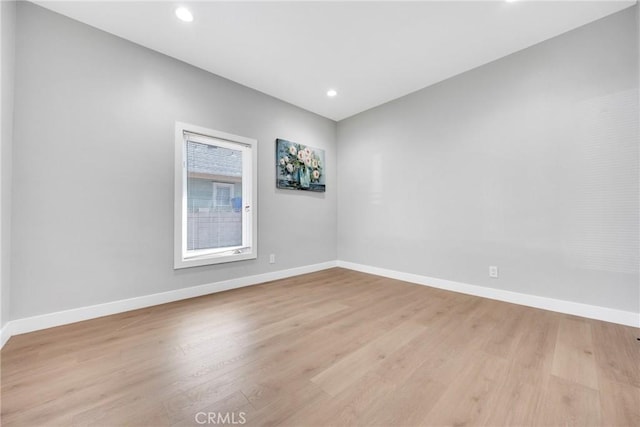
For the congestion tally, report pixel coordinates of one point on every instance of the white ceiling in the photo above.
(370, 52)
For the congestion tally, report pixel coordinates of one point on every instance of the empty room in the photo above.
(310, 213)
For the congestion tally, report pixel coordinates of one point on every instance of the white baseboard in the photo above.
(49, 320)
(628, 318)
(5, 334)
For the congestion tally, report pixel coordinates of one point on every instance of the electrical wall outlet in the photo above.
(272, 259)
(493, 271)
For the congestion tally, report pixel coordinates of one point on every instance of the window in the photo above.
(215, 197)
(222, 194)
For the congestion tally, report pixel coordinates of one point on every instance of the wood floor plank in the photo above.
(503, 340)
(620, 403)
(287, 403)
(574, 358)
(407, 399)
(566, 403)
(536, 347)
(471, 395)
(350, 368)
(380, 388)
(617, 352)
(336, 347)
(518, 400)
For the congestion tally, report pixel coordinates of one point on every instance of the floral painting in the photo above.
(300, 167)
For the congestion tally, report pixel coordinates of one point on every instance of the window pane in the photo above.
(223, 196)
(214, 196)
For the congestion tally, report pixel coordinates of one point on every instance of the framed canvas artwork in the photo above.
(299, 167)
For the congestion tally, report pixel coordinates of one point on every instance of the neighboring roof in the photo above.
(207, 159)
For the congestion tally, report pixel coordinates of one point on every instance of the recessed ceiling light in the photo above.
(331, 93)
(183, 14)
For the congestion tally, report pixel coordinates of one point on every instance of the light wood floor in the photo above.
(330, 348)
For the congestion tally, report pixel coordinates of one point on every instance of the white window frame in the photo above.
(184, 258)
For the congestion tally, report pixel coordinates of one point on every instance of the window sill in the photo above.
(212, 259)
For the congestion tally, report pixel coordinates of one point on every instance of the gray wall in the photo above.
(529, 163)
(7, 65)
(95, 114)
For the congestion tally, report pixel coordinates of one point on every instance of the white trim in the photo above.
(606, 314)
(49, 320)
(5, 334)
